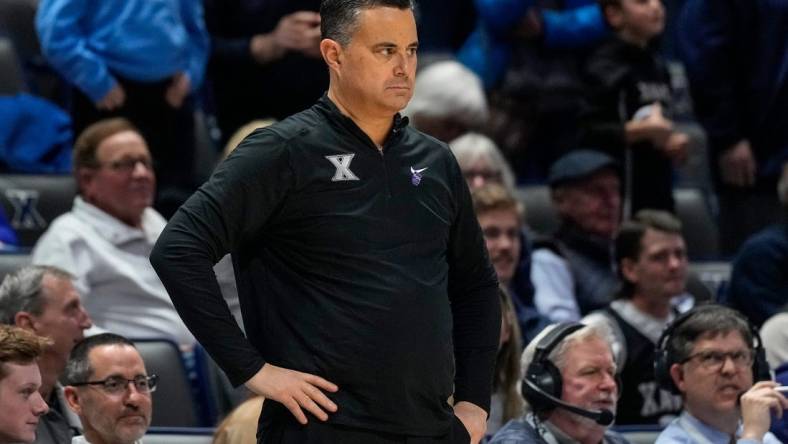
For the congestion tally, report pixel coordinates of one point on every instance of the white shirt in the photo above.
(82, 440)
(109, 259)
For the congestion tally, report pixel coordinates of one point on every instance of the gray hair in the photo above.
(78, 368)
(558, 354)
(21, 291)
(472, 147)
(449, 90)
(339, 18)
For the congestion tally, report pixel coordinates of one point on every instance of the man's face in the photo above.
(589, 377)
(660, 272)
(377, 68)
(480, 173)
(123, 184)
(501, 230)
(62, 319)
(20, 403)
(594, 204)
(712, 387)
(117, 418)
(640, 19)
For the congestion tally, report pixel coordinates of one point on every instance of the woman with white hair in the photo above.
(481, 161)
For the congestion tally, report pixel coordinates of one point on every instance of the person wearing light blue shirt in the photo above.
(711, 356)
(139, 59)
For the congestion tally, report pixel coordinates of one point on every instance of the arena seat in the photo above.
(32, 201)
(11, 78)
(173, 401)
(714, 275)
(699, 227)
(12, 261)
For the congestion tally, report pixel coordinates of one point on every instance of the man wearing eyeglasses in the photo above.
(105, 240)
(712, 364)
(108, 387)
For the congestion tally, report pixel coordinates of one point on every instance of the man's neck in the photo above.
(726, 422)
(376, 127)
(657, 307)
(51, 367)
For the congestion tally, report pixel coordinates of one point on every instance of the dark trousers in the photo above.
(288, 431)
(169, 133)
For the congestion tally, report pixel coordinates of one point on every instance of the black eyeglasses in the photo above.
(115, 385)
(715, 359)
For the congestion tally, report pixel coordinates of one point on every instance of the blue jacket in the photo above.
(87, 41)
(737, 61)
(576, 24)
(35, 136)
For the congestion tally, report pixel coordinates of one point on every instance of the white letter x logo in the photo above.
(342, 163)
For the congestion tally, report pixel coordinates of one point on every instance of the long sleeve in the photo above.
(199, 41)
(713, 36)
(473, 292)
(229, 210)
(66, 47)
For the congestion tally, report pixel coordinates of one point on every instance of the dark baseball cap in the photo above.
(578, 165)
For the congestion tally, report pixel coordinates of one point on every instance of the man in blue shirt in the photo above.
(712, 360)
(140, 59)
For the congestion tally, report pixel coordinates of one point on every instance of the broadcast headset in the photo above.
(665, 355)
(542, 386)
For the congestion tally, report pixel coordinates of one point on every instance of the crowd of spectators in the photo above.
(578, 96)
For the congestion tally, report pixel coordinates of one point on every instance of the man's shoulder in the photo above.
(517, 431)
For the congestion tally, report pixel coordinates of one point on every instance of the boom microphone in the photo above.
(602, 417)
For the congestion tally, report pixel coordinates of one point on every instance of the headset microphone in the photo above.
(602, 417)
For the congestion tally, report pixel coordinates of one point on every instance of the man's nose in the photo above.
(40, 406)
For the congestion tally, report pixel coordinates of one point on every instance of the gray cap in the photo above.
(578, 165)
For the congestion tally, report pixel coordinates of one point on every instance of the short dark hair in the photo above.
(339, 18)
(707, 321)
(78, 368)
(629, 239)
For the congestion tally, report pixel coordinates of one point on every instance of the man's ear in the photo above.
(72, 399)
(84, 178)
(332, 53)
(614, 16)
(628, 270)
(677, 374)
(24, 319)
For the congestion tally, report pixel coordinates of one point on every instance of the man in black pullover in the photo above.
(367, 295)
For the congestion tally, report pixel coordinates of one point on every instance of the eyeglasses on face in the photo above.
(715, 359)
(115, 385)
(127, 165)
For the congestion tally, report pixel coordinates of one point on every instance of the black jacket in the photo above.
(368, 269)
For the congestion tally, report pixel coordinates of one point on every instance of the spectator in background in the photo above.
(108, 387)
(481, 161)
(630, 104)
(448, 101)
(736, 66)
(709, 356)
(573, 271)
(265, 59)
(528, 54)
(44, 301)
(571, 364)
(651, 260)
(21, 404)
(138, 59)
(443, 26)
(759, 283)
(500, 217)
(106, 238)
(506, 402)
